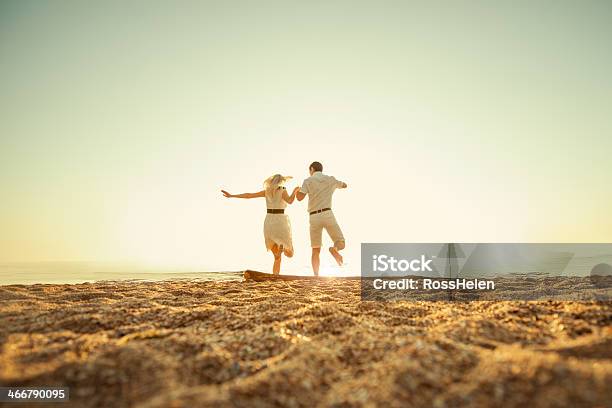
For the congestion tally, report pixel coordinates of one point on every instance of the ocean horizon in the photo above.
(72, 272)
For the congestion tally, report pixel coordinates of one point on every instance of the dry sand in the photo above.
(299, 344)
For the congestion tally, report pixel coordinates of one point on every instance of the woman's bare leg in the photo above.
(277, 252)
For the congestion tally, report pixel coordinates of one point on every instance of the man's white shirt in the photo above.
(320, 188)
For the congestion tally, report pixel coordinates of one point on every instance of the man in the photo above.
(320, 188)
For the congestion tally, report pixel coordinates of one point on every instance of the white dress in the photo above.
(277, 228)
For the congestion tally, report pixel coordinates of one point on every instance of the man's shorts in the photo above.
(327, 221)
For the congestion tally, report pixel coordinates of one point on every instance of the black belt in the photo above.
(320, 211)
(276, 211)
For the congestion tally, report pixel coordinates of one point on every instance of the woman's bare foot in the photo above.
(336, 255)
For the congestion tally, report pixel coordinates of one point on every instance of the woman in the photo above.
(277, 228)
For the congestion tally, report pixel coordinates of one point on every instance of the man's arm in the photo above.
(300, 195)
(340, 184)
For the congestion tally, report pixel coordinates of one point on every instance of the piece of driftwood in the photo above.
(261, 276)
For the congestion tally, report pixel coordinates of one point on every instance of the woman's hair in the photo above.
(272, 183)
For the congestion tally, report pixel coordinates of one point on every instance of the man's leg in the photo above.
(316, 238)
(316, 260)
(335, 233)
(338, 246)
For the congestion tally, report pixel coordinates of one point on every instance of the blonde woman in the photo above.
(277, 228)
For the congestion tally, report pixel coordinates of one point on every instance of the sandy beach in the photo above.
(189, 343)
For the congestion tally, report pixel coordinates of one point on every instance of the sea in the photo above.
(70, 272)
(27, 273)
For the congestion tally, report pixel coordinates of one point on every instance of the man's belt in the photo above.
(276, 211)
(320, 211)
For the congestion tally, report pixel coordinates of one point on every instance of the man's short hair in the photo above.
(316, 166)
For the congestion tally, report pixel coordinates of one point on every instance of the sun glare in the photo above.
(156, 230)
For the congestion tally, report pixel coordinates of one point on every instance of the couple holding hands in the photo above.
(277, 229)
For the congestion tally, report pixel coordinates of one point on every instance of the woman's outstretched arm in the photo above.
(261, 193)
(289, 198)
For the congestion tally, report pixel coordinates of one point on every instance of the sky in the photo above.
(451, 121)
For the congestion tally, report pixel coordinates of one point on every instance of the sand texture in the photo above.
(188, 343)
